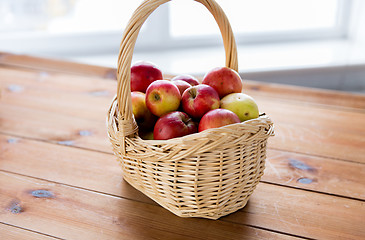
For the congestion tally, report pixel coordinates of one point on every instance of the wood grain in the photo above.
(303, 213)
(278, 91)
(99, 172)
(312, 187)
(14, 233)
(67, 165)
(303, 128)
(310, 130)
(47, 64)
(315, 173)
(72, 166)
(72, 213)
(53, 127)
(304, 94)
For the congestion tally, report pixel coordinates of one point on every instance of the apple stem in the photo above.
(193, 93)
(186, 121)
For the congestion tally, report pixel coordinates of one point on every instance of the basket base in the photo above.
(212, 213)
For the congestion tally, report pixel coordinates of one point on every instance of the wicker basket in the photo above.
(208, 174)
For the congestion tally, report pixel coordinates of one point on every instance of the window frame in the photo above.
(341, 30)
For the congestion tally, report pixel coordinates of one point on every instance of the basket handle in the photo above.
(127, 46)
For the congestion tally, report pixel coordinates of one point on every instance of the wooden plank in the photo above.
(54, 128)
(47, 64)
(305, 94)
(72, 166)
(315, 173)
(103, 173)
(14, 233)
(72, 213)
(287, 92)
(78, 96)
(304, 213)
(316, 131)
(99, 172)
(60, 107)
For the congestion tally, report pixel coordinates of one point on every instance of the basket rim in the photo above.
(263, 120)
(262, 117)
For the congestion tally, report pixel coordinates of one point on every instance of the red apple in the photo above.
(181, 85)
(148, 122)
(187, 78)
(198, 100)
(224, 80)
(162, 97)
(172, 125)
(145, 119)
(218, 118)
(143, 74)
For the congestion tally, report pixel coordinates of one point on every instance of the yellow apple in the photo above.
(241, 104)
(145, 119)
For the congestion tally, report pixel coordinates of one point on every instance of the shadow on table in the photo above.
(142, 218)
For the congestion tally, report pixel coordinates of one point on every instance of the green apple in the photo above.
(241, 104)
(146, 135)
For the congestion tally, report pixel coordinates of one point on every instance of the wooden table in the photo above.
(60, 180)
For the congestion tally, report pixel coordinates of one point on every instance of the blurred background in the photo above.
(300, 42)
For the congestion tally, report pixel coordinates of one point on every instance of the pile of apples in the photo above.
(166, 109)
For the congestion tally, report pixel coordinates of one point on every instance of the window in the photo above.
(64, 16)
(63, 26)
(95, 26)
(261, 17)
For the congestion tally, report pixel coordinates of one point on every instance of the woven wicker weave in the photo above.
(208, 174)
